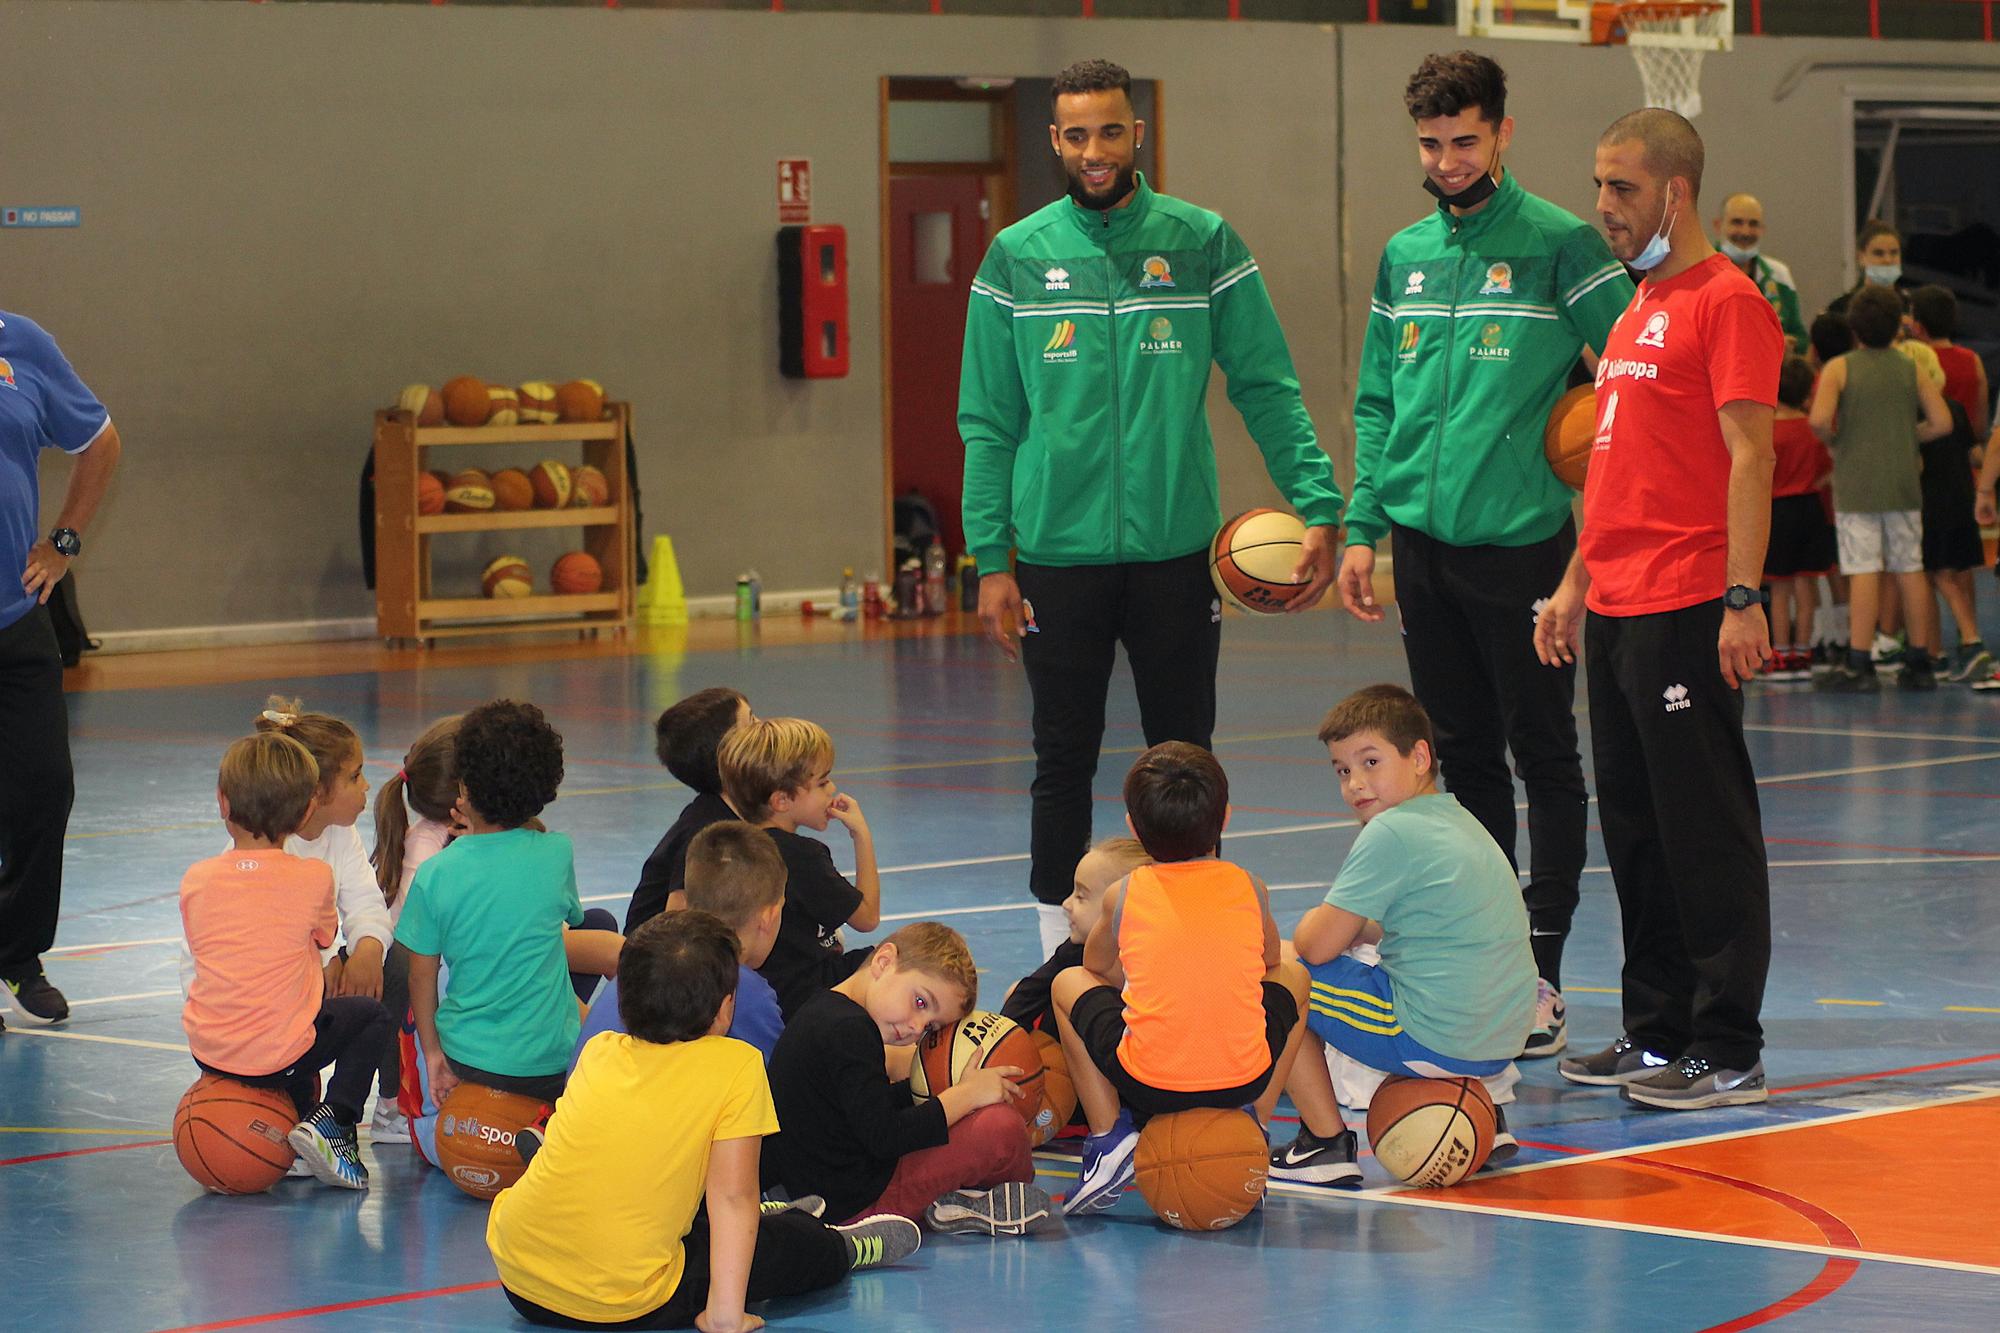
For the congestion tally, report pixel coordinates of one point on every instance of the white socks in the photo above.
(1054, 924)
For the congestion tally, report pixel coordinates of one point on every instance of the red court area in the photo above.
(1920, 1183)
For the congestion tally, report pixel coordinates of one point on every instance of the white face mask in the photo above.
(1659, 247)
(1884, 275)
(1740, 254)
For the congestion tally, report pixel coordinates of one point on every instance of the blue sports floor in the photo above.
(1865, 1193)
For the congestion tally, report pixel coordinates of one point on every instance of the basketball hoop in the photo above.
(1668, 39)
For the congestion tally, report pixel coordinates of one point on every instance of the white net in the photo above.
(1668, 42)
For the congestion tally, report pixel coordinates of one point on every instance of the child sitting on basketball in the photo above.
(1028, 1002)
(686, 737)
(1183, 1000)
(1454, 994)
(734, 873)
(259, 1009)
(778, 773)
(493, 907)
(608, 1227)
(960, 1160)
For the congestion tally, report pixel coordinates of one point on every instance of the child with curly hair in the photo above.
(492, 906)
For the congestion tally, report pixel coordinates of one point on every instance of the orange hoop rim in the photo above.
(1666, 9)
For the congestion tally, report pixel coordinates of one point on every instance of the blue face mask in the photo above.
(1740, 254)
(1884, 275)
(1659, 247)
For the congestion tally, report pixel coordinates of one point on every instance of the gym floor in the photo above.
(1852, 1200)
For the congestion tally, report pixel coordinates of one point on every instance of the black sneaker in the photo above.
(1620, 1062)
(1844, 679)
(1311, 1160)
(1693, 1084)
(1917, 675)
(1505, 1146)
(33, 1000)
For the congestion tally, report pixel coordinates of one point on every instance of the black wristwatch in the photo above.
(66, 542)
(1740, 598)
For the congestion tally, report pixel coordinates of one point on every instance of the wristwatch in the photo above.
(1740, 598)
(66, 542)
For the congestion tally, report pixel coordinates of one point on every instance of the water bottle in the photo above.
(744, 607)
(871, 598)
(936, 593)
(909, 590)
(756, 594)
(850, 591)
(968, 584)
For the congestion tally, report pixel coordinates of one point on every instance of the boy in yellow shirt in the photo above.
(607, 1226)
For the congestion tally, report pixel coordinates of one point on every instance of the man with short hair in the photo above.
(1676, 514)
(1740, 235)
(1480, 313)
(43, 404)
(1082, 403)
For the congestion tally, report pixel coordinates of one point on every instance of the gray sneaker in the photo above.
(1621, 1062)
(1969, 663)
(1011, 1209)
(881, 1239)
(1693, 1084)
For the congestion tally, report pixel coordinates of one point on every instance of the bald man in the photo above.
(1739, 234)
(1676, 513)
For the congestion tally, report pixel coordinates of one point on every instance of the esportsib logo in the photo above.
(1060, 346)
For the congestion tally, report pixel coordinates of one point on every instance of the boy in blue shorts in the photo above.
(1454, 995)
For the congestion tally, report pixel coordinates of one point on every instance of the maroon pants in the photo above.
(987, 1148)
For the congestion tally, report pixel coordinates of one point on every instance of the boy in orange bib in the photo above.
(1182, 1000)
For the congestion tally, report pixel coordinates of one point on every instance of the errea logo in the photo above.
(1541, 604)
(1414, 284)
(1058, 280)
(1677, 698)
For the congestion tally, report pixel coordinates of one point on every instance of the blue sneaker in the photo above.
(332, 1150)
(1107, 1168)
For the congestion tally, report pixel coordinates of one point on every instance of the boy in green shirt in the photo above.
(1454, 995)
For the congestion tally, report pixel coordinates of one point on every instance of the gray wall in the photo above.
(292, 210)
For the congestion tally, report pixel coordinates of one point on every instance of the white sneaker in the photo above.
(1551, 1032)
(388, 1125)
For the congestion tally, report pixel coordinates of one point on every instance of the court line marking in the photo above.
(116, 944)
(83, 1152)
(98, 1036)
(1858, 1004)
(310, 1311)
(135, 995)
(1775, 730)
(1969, 1009)
(50, 1129)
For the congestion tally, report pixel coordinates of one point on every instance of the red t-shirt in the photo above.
(1656, 500)
(1961, 378)
(1802, 459)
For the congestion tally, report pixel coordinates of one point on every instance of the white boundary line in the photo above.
(113, 999)
(94, 1036)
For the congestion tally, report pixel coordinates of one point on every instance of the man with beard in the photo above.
(1087, 452)
(1740, 235)
(1479, 315)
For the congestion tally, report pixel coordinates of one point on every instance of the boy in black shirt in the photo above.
(959, 1161)
(1028, 1002)
(686, 738)
(779, 773)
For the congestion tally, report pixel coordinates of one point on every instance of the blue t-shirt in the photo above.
(1454, 931)
(757, 1019)
(493, 906)
(42, 404)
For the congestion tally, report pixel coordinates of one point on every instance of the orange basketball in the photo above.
(551, 482)
(576, 572)
(1572, 430)
(1202, 1170)
(538, 402)
(466, 402)
(476, 1130)
(430, 494)
(1058, 1092)
(1431, 1132)
(580, 400)
(231, 1137)
(472, 476)
(512, 489)
(424, 403)
(1252, 559)
(588, 487)
(507, 576)
(506, 405)
(979, 1039)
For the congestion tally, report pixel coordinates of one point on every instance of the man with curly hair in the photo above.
(492, 907)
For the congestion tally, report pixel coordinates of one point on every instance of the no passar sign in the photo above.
(795, 192)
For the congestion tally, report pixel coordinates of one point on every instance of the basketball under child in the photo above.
(1182, 1000)
(686, 737)
(960, 1160)
(608, 1226)
(259, 1008)
(1454, 994)
(778, 773)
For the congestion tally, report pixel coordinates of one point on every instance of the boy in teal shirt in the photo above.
(1454, 995)
(492, 906)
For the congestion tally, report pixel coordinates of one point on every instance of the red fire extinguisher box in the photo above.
(812, 301)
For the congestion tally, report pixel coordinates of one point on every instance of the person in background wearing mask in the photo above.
(1676, 515)
(1480, 312)
(1878, 252)
(1740, 235)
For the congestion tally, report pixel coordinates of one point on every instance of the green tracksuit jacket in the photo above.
(1472, 330)
(1774, 279)
(1083, 393)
